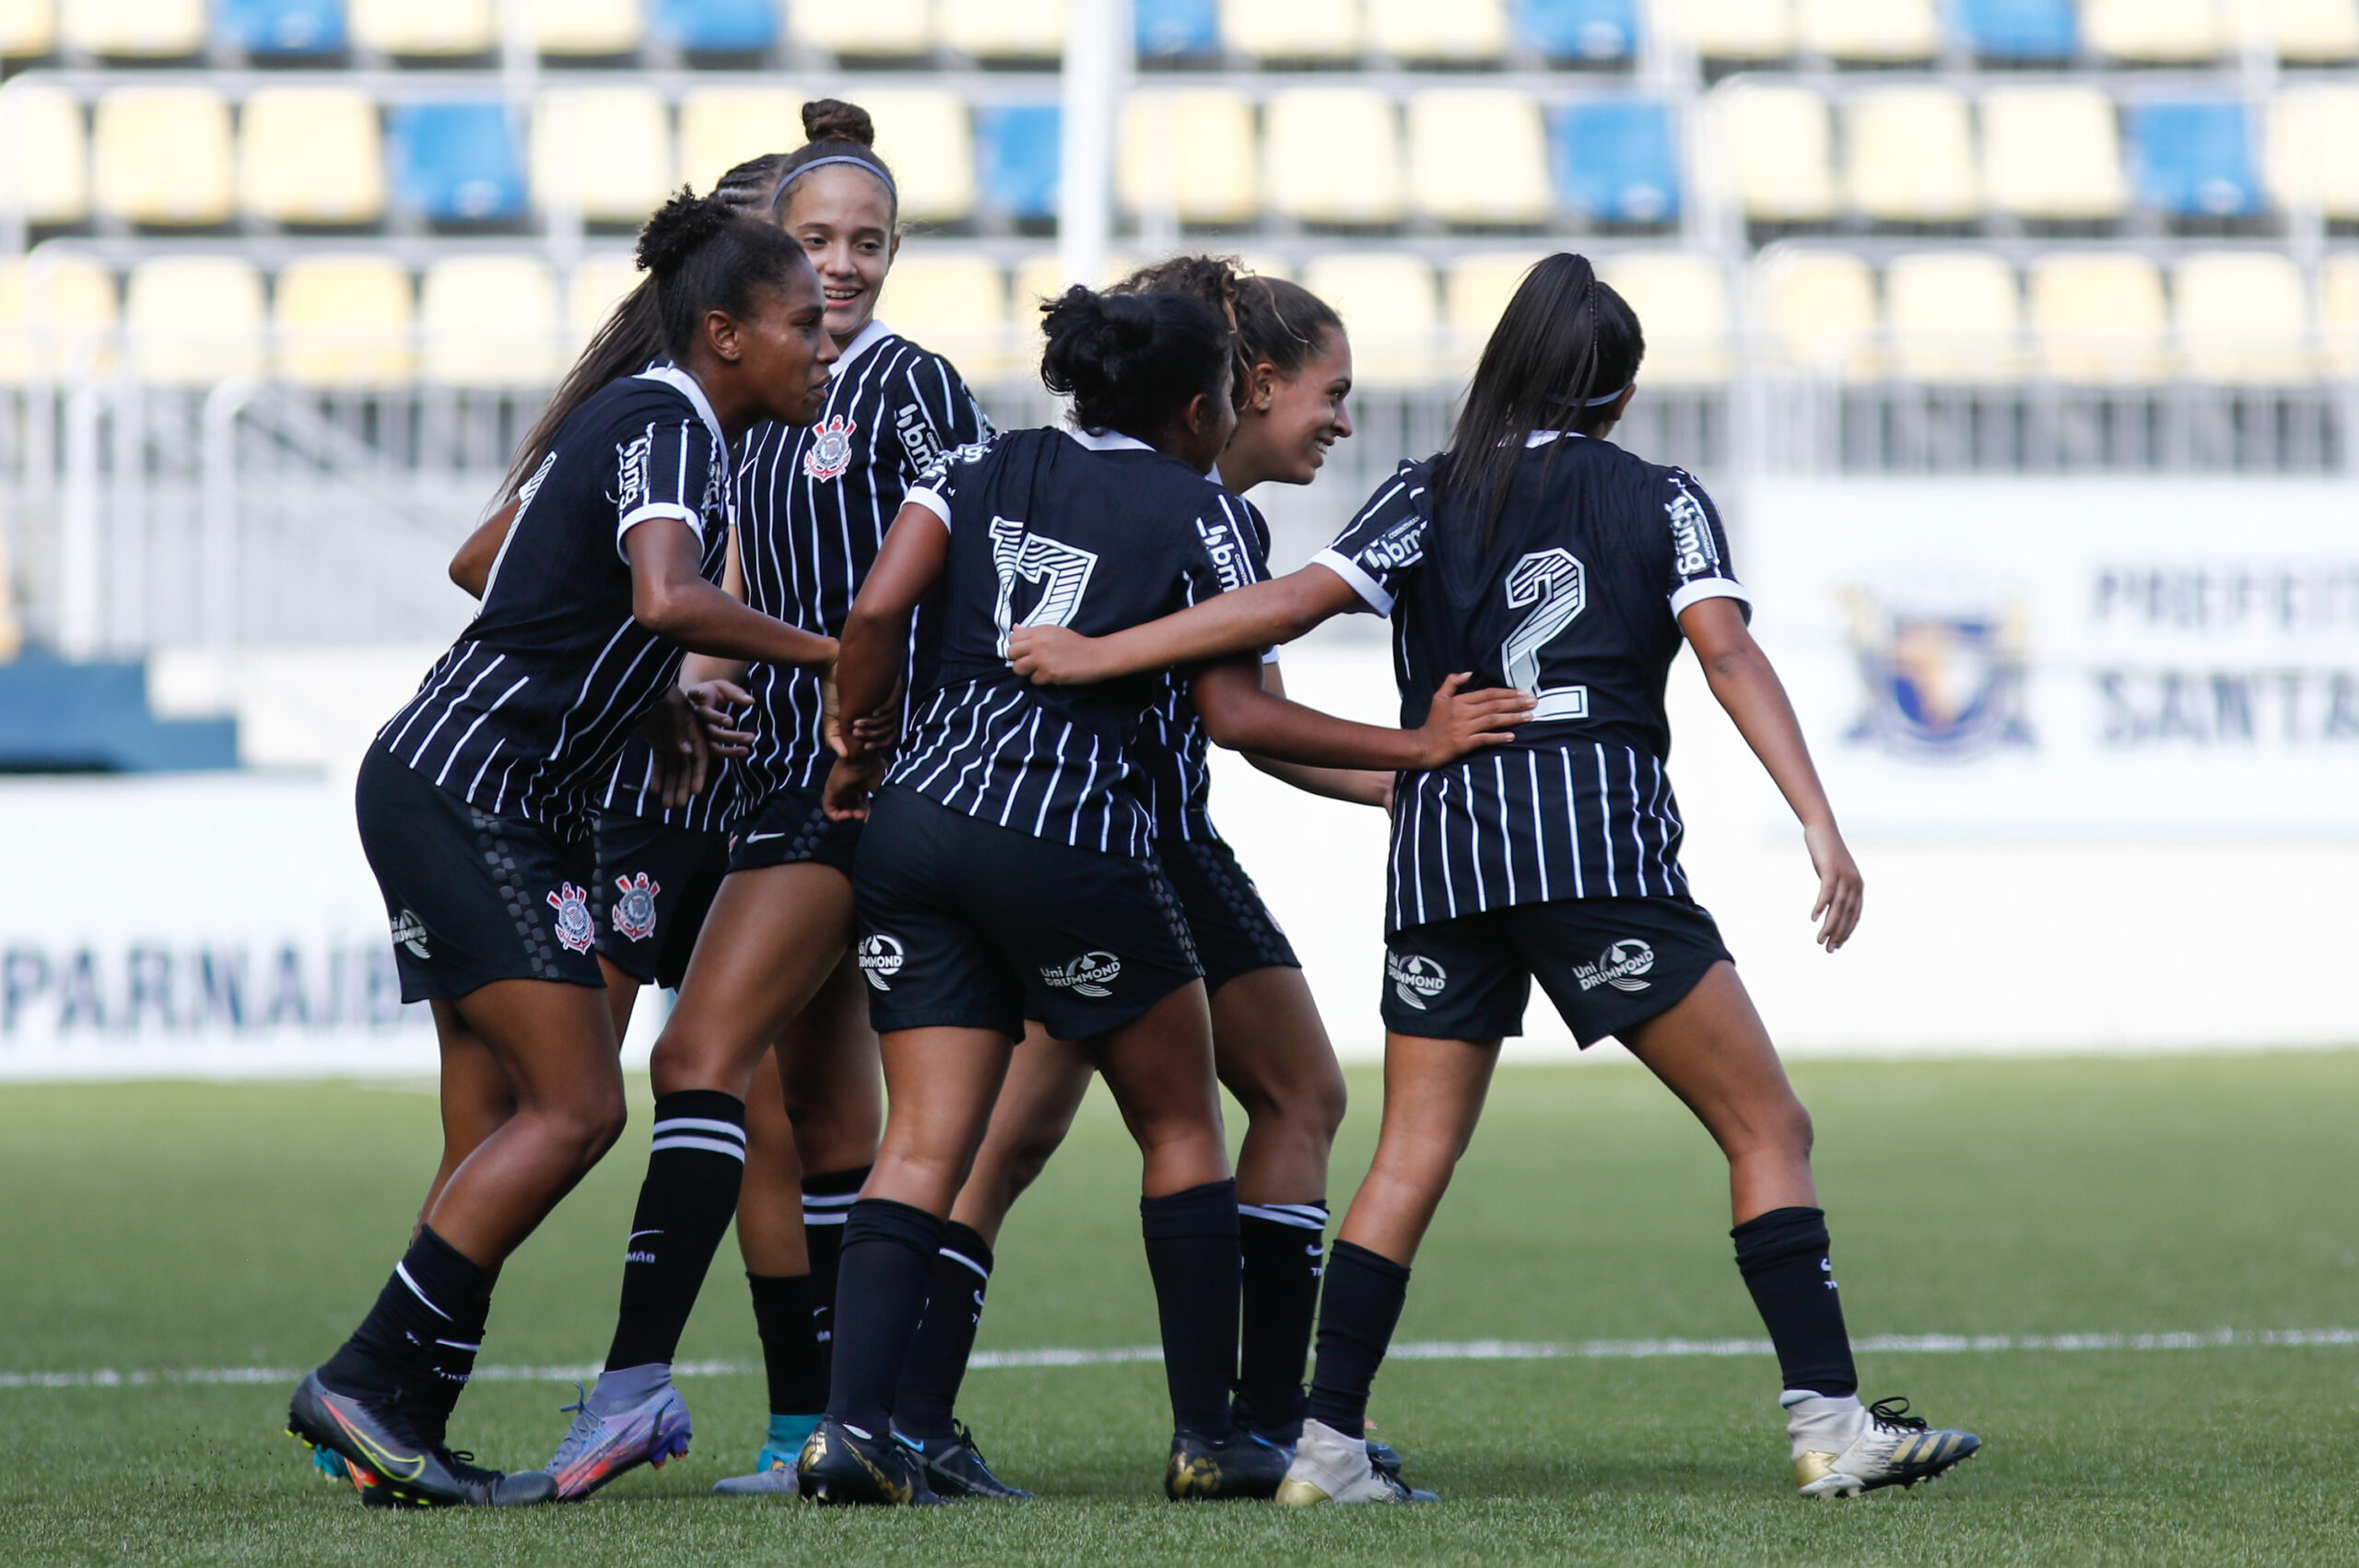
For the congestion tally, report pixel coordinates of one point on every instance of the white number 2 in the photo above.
(1552, 583)
(1062, 569)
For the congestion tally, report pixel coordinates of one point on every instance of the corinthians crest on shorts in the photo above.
(831, 450)
(574, 927)
(635, 909)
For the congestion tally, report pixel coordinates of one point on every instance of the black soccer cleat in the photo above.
(1239, 1465)
(392, 1465)
(955, 1471)
(843, 1465)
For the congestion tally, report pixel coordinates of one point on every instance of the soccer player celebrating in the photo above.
(1005, 872)
(1534, 551)
(473, 801)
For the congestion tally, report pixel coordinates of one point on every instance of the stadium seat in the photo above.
(2154, 31)
(2194, 158)
(1478, 155)
(1004, 30)
(489, 321)
(718, 26)
(2339, 312)
(56, 314)
(2243, 319)
(2098, 318)
(192, 320)
(1043, 277)
(1474, 294)
(1463, 32)
(880, 28)
(311, 155)
(1175, 30)
(1190, 151)
(1774, 142)
(2019, 29)
(1821, 306)
(1739, 30)
(1614, 161)
(604, 151)
(1386, 300)
(925, 135)
(722, 127)
(162, 156)
(2316, 32)
(1292, 30)
(134, 29)
(1954, 317)
(1332, 155)
(2052, 153)
(425, 30)
(281, 29)
(584, 29)
(1020, 157)
(1682, 301)
(44, 154)
(346, 322)
(2313, 158)
(1563, 31)
(956, 306)
(1871, 31)
(457, 162)
(28, 28)
(599, 281)
(1912, 154)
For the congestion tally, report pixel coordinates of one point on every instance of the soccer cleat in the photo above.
(390, 1466)
(651, 1430)
(1893, 1448)
(1331, 1467)
(774, 1471)
(1239, 1465)
(842, 1464)
(955, 1469)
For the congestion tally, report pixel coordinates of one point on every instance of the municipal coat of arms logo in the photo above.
(831, 450)
(635, 907)
(573, 925)
(1942, 686)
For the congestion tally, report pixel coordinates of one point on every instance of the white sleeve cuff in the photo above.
(658, 509)
(1269, 656)
(1371, 592)
(932, 500)
(1704, 587)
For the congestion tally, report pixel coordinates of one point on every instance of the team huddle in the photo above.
(880, 737)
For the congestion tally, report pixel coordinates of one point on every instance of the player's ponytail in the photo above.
(1131, 362)
(703, 255)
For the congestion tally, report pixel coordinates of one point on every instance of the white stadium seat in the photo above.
(425, 29)
(346, 321)
(2052, 153)
(1954, 316)
(605, 151)
(134, 29)
(1386, 300)
(1912, 154)
(2243, 319)
(2339, 311)
(161, 155)
(2154, 31)
(1682, 301)
(1506, 183)
(957, 307)
(1474, 294)
(45, 153)
(599, 283)
(588, 29)
(878, 28)
(1305, 170)
(1775, 144)
(2316, 32)
(1875, 31)
(722, 127)
(192, 320)
(57, 314)
(1190, 153)
(28, 28)
(1822, 306)
(925, 135)
(2098, 319)
(2313, 158)
(1461, 33)
(311, 155)
(1004, 30)
(1292, 30)
(490, 322)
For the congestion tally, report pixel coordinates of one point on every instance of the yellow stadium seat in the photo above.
(1912, 154)
(2339, 312)
(1821, 306)
(1461, 32)
(955, 305)
(490, 322)
(1775, 143)
(57, 313)
(1737, 29)
(425, 29)
(586, 28)
(722, 127)
(599, 283)
(2312, 158)
(1190, 152)
(1041, 277)
(1954, 316)
(1387, 301)
(2163, 31)
(1682, 301)
(1474, 294)
(1507, 182)
(44, 157)
(2243, 319)
(192, 320)
(161, 155)
(605, 151)
(1292, 30)
(346, 322)
(1004, 30)
(872, 26)
(2098, 318)
(2052, 153)
(2316, 32)
(311, 155)
(28, 28)
(1333, 155)
(134, 29)
(1877, 31)
(925, 135)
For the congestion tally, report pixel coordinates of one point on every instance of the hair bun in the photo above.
(679, 227)
(833, 120)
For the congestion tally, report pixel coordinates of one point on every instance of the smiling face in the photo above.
(843, 219)
(784, 348)
(1291, 418)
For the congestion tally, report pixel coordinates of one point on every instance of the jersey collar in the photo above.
(868, 337)
(680, 381)
(1109, 441)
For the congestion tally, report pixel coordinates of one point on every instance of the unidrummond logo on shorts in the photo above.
(1619, 966)
(1089, 975)
(881, 958)
(1414, 978)
(410, 932)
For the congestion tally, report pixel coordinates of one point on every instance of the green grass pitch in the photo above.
(172, 1227)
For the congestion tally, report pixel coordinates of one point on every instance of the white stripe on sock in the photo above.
(1283, 1215)
(710, 1145)
(981, 1272)
(700, 1124)
(402, 1271)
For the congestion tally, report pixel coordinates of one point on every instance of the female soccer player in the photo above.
(475, 798)
(812, 508)
(1535, 551)
(1005, 871)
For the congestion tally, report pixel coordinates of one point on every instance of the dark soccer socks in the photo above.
(1360, 1307)
(1192, 1251)
(889, 1256)
(695, 1167)
(936, 1363)
(1280, 1243)
(421, 1336)
(797, 1373)
(826, 1201)
(1782, 1255)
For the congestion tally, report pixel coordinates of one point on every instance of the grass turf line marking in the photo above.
(1415, 1349)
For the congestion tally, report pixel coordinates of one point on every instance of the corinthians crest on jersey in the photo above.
(829, 452)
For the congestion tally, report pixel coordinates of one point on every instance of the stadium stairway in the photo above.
(61, 716)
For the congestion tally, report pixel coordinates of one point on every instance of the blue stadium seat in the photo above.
(718, 26)
(1578, 30)
(2020, 29)
(457, 162)
(281, 28)
(1020, 158)
(1167, 29)
(1614, 160)
(2194, 158)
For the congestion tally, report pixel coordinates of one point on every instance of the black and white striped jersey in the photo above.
(1051, 527)
(525, 715)
(632, 791)
(1574, 596)
(813, 506)
(1178, 769)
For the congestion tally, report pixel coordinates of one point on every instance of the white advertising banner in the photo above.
(2091, 657)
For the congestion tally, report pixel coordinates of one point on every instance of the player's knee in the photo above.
(586, 1127)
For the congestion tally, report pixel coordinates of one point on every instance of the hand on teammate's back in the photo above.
(717, 703)
(1055, 655)
(1461, 721)
(1840, 888)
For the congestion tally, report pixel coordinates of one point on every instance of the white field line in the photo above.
(1415, 1349)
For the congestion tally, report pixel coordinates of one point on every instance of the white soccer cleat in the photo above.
(1331, 1467)
(1842, 1450)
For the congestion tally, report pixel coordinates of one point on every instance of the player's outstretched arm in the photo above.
(1749, 689)
(1357, 786)
(1239, 714)
(1244, 620)
(670, 597)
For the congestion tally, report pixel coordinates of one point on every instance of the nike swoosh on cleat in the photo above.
(392, 1468)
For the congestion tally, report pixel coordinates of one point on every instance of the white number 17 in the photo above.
(1552, 583)
(1062, 570)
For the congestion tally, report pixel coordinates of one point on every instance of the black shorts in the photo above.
(473, 898)
(1233, 930)
(789, 827)
(1606, 962)
(967, 924)
(654, 884)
